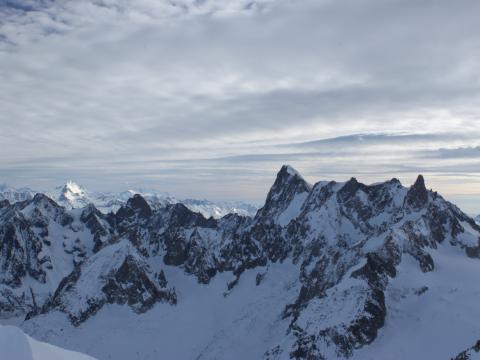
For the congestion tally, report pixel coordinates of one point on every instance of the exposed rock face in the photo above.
(115, 275)
(288, 187)
(417, 195)
(347, 240)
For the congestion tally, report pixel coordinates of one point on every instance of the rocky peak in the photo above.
(350, 188)
(417, 195)
(287, 186)
(40, 199)
(288, 174)
(73, 195)
(135, 208)
(180, 215)
(71, 189)
(88, 211)
(394, 181)
(139, 205)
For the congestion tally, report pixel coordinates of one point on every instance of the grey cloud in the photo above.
(220, 94)
(454, 153)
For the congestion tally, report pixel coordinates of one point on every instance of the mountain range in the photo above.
(333, 270)
(71, 195)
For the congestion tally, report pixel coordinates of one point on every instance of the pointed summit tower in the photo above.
(285, 197)
(417, 195)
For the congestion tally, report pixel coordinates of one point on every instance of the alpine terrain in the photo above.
(72, 196)
(321, 272)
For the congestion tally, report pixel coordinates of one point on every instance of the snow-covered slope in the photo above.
(329, 271)
(73, 196)
(477, 219)
(15, 345)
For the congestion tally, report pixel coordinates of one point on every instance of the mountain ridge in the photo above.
(72, 196)
(345, 245)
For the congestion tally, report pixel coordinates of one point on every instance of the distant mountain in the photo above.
(14, 195)
(220, 209)
(334, 270)
(73, 196)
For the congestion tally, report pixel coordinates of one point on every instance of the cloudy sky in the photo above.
(208, 98)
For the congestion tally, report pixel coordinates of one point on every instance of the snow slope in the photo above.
(205, 324)
(15, 345)
(208, 325)
(435, 313)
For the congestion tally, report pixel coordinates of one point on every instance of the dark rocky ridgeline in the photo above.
(100, 226)
(417, 195)
(347, 240)
(115, 275)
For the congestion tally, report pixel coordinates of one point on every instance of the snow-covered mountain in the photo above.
(15, 345)
(14, 195)
(74, 196)
(477, 219)
(219, 209)
(324, 271)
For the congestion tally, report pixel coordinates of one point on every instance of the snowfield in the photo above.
(430, 315)
(15, 345)
(207, 323)
(211, 323)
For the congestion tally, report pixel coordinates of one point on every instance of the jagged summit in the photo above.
(71, 190)
(138, 203)
(285, 196)
(417, 194)
(290, 170)
(72, 195)
(39, 198)
(73, 187)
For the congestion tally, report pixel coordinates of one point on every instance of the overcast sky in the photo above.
(208, 98)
